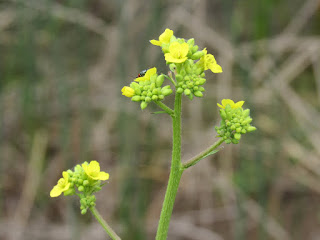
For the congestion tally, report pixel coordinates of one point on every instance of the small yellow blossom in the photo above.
(93, 171)
(62, 185)
(147, 76)
(163, 38)
(233, 105)
(127, 91)
(209, 62)
(177, 53)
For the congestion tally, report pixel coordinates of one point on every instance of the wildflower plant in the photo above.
(187, 77)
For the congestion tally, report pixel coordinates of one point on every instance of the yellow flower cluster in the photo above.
(85, 175)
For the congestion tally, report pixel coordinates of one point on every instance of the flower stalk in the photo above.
(104, 224)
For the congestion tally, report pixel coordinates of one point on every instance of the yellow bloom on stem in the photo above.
(127, 91)
(163, 38)
(62, 185)
(93, 171)
(147, 76)
(177, 52)
(209, 62)
(233, 105)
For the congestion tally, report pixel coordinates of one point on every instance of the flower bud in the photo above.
(84, 211)
(143, 105)
(198, 94)
(172, 67)
(81, 188)
(180, 90)
(187, 92)
(237, 136)
(251, 129)
(166, 92)
(159, 80)
(223, 114)
(179, 78)
(136, 98)
(197, 55)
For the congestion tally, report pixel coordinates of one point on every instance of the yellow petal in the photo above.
(166, 36)
(225, 102)
(170, 58)
(239, 104)
(216, 68)
(155, 42)
(94, 166)
(220, 105)
(55, 192)
(103, 176)
(151, 72)
(65, 175)
(184, 48)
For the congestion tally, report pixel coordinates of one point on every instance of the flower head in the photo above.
(163, 38)
(233, 105)
(93, 171)
(147, 76)
(62, 185)
(177, 52)
(127, 91)
(207, 61)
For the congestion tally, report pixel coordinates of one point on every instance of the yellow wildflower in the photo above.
(233, 105)
(146, 77)
(93, 171)
(209, 62)
(62, 185)
(177, 52)
(163, 38)
(127, 91)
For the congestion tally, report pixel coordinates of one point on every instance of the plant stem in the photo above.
(175, 172)
(104, 224)
(165, 108)
(203, 154)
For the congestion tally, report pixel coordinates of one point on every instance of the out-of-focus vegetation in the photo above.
(62, 66)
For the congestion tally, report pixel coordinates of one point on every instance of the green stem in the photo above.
(165, 108)
(104, 224)
(203, 154)
(175, 173)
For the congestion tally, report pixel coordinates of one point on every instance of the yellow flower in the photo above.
(127, 91)
(163, 38)
(209, 62)
(233, 105)
(62, 185)
(93, 171)
(177, 52)
(147, 76)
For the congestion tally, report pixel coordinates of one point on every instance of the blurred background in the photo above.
(62, 66)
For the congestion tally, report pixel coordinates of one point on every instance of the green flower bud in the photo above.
(136, 98)
(81, 188)
(148, 99)
(234, 141)
(69, 192)
(190, 42)
(166, 92)
(198, 94)
(251, 129)
(85, 182)
(223, 114)
(197, 55)
(153, 78)
(246, 113)
(227, 141)
(161, 97)
(180, 90)
(237, 136)
(187, 92)
(84, 211)
(143, 105)
(70, 173)
(247, 121)
(202, 75)
(159, 80)
(179, 78)
(154, 98)
(149, 94)
(194, 49)
(202, 81)
(183, 72)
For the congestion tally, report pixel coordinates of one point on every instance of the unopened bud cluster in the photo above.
(149, 90)
(235, 122)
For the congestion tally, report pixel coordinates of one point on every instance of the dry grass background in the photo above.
(62, 66)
